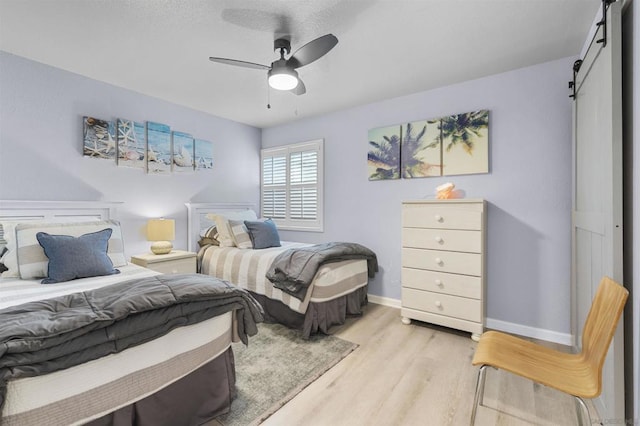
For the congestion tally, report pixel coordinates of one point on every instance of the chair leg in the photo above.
(479, 397)
(582, 411)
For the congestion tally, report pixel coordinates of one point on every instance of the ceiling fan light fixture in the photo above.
(283, 78)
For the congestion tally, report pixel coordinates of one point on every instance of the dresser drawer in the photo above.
(441, 216)
(443, 261)
(441, 282)
(177, 266)
(442, 304)
(442, 239)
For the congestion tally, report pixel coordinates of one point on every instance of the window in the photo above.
(291, 183)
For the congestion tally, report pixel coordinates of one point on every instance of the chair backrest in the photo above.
(601, 323)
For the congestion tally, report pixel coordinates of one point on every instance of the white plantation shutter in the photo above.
(274, 186)
(292, 185)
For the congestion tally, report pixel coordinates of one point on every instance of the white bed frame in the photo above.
(198, 221)
(56, 210)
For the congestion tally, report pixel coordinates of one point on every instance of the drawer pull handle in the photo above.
(439, 240)
(439, 218)
(439, 283)
(438, 304)
(439, 261)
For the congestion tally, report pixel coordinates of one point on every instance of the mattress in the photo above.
(98, 387)
(247, 269)
(14, 291)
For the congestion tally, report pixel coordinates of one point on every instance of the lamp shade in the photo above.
(162, 231)
(283, 78)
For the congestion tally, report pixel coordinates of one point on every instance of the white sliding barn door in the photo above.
(597, 194)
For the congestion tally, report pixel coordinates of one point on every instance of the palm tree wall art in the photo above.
(452, 145)
(383, 158)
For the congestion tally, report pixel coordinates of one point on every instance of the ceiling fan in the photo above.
(282, 73)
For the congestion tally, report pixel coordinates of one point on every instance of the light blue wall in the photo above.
(528, 188)
(41, 110)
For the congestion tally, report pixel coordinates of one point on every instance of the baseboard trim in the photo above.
(494, 324)
(385, 301)
(533, 332)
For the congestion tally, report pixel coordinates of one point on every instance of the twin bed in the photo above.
(179, 372)
(138, 347)
(338, 289)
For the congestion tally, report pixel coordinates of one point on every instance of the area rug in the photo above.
(275, 367)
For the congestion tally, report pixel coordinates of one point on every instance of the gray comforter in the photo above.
(49, 335)
(292, 271)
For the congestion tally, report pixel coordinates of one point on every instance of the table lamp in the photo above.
(161, 232)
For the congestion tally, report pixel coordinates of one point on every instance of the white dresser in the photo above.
(443, 245)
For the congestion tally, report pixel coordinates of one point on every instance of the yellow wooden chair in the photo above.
(579, 375)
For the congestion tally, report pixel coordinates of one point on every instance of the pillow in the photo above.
(264, 234)
(209, 237)
(31, 259)
(71, 258)
(240, 234)
(224, 229)
(9, 260)
(3, 268)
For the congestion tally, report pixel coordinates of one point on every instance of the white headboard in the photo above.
(197, 220)
(62, 211)
(56, 210)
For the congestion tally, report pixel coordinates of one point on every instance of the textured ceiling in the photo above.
(387, 48)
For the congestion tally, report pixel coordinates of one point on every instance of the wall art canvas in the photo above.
(383, 158)
(132, 144)
(465, 143)
(420, 150)
(99, 138)
(183, 152)
(158, 148)
(204, 155)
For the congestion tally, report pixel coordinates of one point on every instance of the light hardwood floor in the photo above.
(416, 375)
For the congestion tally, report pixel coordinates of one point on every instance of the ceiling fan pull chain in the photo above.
(268, 95)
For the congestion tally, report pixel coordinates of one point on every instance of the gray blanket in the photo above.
(50, 335)
(292, 271)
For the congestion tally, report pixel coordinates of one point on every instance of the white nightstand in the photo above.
(176, 262)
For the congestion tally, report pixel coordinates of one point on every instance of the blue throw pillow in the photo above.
(264, 234)
(71, 258)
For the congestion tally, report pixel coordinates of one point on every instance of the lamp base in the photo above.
(161, 247)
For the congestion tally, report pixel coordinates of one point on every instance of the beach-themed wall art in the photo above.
(452, 145)
(203, 155)
(182, 152)
(383, 158)
(98, 138)
(149, 146)
(132, 144)
(158, 148)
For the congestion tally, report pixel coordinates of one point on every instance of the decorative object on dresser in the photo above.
(176, 262)
(161, 231)
(443, 278)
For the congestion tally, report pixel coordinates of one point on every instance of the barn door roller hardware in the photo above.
(601, 23)
(572, 84)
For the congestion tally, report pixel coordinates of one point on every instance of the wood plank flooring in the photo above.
(417, 375)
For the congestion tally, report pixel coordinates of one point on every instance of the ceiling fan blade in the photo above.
(312, 51)
(300, 89)
(239, 63)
